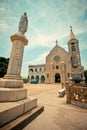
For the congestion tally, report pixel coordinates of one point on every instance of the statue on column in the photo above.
(23, 24)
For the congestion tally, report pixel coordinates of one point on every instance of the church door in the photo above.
(57, 78)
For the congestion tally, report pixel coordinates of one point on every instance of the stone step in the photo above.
(23, 120)
(11, 110)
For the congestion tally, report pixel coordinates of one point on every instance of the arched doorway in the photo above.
(42, 79)
(37, 77)
(57, 78)
(32, 77)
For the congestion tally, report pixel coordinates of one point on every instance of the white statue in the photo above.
(23, 24)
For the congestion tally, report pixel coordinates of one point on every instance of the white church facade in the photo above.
(60, 66)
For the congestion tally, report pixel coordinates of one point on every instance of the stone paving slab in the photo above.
(57, 114)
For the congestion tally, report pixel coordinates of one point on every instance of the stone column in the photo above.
(68, 99)
(13, 78)
(15, 63)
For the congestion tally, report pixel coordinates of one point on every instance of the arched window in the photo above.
(71, 58)
(73, 48)
(47, 75)
(31, 70)
(57, 67)
(32, 77)
(68, 75)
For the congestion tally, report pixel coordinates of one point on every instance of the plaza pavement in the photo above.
(57, 114)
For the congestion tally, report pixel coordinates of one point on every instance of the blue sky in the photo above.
(48, 20)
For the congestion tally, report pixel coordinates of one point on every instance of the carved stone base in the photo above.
(18, 77)
(12, 94)
(11, 83)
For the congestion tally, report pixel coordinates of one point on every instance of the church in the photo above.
(61, 65)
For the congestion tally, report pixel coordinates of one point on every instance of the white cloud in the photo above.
(40, 39)
(38, 60)
(84, 63)
(3, 26)
(2, 9)
(48, 40)
(48, 21)
(44, 40)
(24, 72)
(53, 21)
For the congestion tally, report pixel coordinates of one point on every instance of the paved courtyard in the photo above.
(57, 114)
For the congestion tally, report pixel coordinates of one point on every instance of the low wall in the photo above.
(76, 94)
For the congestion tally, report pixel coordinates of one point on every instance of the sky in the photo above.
(48, 21)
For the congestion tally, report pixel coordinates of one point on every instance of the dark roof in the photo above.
(76, 77)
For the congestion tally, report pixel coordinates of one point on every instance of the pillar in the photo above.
(68, 99)
(13, 78)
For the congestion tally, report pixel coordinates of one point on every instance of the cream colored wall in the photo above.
(64, 65)
(36, 73)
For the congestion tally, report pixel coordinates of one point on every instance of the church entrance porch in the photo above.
(57, 78)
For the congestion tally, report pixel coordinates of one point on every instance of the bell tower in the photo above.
(77, 71)
(73, 47)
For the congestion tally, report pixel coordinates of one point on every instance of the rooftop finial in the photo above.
(56, 42)
(71, 34)
(70, 27)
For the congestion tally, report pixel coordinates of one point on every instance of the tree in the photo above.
(3, 66)
(85, 74)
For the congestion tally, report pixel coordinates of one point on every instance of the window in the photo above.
(40, 69)
(68, 75)
(71, 58)
(56, 58)
(72, 43)
(31, 70)
(47, 75)
(73, 48)
(35, 70)
(77, 81)
(57, 67)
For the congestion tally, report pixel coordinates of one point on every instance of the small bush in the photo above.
(25, 80)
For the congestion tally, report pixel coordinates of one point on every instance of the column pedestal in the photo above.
(11, 86)
(13, 97)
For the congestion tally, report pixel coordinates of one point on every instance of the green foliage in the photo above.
(25, 80)
(85, 74)
(3, 66)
